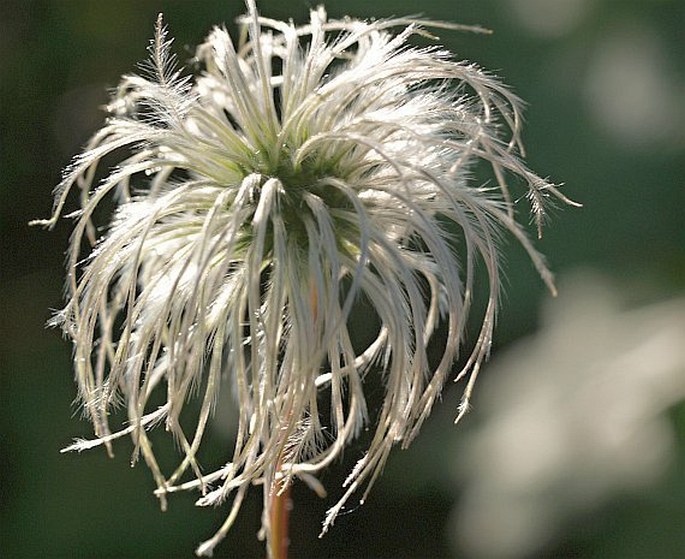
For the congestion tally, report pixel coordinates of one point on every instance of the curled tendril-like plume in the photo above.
(302, 170)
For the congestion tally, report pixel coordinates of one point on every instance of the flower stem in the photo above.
(281, 506)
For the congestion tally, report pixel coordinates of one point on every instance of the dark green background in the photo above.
(57, 59)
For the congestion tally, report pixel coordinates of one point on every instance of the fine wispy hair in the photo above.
(303, 169)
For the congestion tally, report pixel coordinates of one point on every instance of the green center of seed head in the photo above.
(308, 177)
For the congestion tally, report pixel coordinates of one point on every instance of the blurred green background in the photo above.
(605, 85)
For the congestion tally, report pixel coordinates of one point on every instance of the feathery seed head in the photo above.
(302, 168)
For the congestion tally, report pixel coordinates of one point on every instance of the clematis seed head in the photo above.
(302, 170)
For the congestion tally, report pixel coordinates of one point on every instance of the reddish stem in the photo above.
(280, 517)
